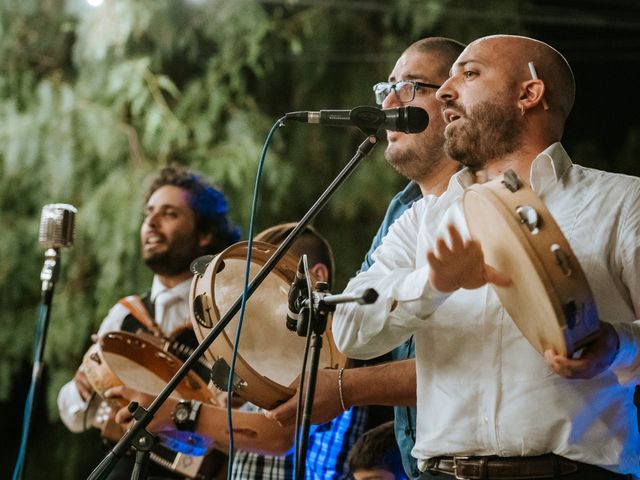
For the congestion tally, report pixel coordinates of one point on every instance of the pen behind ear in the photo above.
(534, 75)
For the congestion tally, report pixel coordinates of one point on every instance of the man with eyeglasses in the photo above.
(491, 406)
(417, 75)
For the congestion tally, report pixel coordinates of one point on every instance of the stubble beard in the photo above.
(172, 261)
(418, 162)
(489, 131)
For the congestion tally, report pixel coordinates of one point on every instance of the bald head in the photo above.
(497, 108)
(515, 53)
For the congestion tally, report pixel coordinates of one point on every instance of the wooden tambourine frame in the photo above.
(123, 358)
(549, 299)
(270, 356)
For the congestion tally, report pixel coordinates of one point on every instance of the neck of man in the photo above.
(519, 161)
(171, 281)
(437, 181)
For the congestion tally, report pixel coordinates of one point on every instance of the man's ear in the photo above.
(320, 272)
(204, 239)
(532, 94)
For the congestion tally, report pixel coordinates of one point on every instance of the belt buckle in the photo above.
(455, 467)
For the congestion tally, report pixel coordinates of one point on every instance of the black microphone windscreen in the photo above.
(416, 119)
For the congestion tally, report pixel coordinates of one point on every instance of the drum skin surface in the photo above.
(269, 355)
(549, 298)
(123, 358)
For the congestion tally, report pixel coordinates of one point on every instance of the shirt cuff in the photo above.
(72, 401)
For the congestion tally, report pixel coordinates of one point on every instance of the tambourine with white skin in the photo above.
(123, 358)
(549, 298)
(269, 355)
(142, 362)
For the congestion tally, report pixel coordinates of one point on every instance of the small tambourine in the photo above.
(123, 358)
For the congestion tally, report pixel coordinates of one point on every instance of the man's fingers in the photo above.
(85, 389)
(434, 262)
(495, 277)
(123, 415)
(569, 367)
(441, 249)
(119, 391)
(283, 414)
(85, 393)
(457, 243)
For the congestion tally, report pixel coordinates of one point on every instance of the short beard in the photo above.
(169, 264)
(419, 163)
(491, 131)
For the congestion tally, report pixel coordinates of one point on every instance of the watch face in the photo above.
(181, 413)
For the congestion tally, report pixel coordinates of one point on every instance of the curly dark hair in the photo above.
(207, 203)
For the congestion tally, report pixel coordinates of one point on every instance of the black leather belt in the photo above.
(504, 468)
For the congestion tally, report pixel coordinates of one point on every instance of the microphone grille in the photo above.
(417, 119)
(57, 224)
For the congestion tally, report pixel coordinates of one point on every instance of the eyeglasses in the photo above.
(405, 90)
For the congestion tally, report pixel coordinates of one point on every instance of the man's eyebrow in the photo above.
(162, 206)
(410, 76)
(462, 64)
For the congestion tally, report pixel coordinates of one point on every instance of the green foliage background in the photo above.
(94, 99)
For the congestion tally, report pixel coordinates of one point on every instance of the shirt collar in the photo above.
(549, 167)
(410, 194)
(461, 180)
(181, 290)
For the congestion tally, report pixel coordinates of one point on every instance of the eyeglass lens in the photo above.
(405, 91)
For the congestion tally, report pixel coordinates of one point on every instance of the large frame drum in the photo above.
(270, 356)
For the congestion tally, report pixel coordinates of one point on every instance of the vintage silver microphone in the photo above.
(57, 225)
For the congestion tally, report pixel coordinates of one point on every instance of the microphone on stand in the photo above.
(57, 225)
(367, 118)
(55, 233)
(364, 297)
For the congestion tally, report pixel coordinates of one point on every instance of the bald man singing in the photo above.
(489, 404)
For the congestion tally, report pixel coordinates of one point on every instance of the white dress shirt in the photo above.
(172, 312)
(482, 388)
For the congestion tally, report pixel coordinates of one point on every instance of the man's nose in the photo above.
(151, 220)
(391, 100)
(446, 92)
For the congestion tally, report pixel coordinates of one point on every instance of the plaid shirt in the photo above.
(327, 451)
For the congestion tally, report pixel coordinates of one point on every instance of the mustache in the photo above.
(456, 107)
